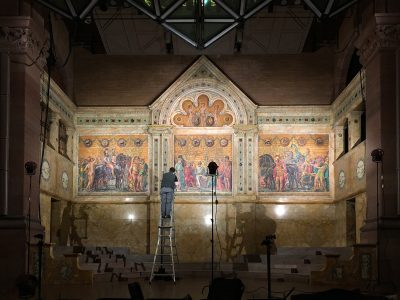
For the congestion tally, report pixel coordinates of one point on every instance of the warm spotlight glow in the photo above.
(131, 217)
(207, 220)
(280, 210)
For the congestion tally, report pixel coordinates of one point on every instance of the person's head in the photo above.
(172, 170)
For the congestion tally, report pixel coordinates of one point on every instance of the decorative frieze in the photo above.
(284, 119)
(112, 120)
(58, 100)
(349, 98)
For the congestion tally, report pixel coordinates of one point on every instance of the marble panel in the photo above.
(349, 173)
(118, 225)
(57, 175)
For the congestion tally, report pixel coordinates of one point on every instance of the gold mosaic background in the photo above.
(293, 163)
(192, 155)
(113, 163)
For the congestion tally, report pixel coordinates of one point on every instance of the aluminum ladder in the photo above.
(166, 254)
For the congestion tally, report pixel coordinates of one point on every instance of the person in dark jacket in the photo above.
(167, 192)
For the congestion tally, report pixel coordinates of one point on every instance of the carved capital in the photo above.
(20, 36)
(160, 129)
(248, 129)
(384, 36)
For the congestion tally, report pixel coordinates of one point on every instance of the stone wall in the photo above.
(107, 213)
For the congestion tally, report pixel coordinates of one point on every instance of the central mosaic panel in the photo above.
(192, 155)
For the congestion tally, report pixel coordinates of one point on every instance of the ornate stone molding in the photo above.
(245, 129)
(160, 129)
(383, 36)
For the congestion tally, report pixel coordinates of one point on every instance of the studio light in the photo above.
(212, 168)
(30, 168)
(377, 155)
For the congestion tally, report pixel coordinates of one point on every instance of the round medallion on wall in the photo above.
(223, 142)
(342, 179)
(209, 142)
(45, 170)
(196, 143)
(64, 179)
(360, 169)
(88, 143)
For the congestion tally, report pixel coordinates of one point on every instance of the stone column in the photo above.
(378, 48)
(21, 39)
(54, 121)
(339, 140)
(354, 121)
(4, 130)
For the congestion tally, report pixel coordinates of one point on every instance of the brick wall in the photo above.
(302, 79)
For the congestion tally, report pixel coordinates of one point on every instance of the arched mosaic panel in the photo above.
(203, 113)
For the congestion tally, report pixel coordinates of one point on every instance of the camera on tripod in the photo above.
(268, 240)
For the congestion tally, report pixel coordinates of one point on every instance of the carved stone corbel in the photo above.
(384, 35)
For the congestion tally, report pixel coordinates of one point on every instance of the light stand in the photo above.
(377, 157)
(40, 254)
(30, 168)
(269, 239)
(27, 283)
(212, 171)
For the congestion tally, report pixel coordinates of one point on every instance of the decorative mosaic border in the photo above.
(293, 120)
(128, 120)
(240, 162)
(250, 164)
(345, 106)
(55, 101)
(155, 164)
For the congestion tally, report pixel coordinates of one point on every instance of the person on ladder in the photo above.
(167, 192)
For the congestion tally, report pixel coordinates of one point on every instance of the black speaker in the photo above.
(226, 289)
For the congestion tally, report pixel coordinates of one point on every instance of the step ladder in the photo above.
(166, 254)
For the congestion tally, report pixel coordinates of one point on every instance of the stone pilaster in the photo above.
(161, 152)
(70, 142)
(378, 47)
(354, 121)
(22, 41)
(54, 121)
(246, 141)
(339, 140)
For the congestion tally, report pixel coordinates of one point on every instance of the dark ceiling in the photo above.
(193, 27)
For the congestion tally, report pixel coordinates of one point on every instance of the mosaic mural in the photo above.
(113, 163)
(203, 115)
(293, 163)
(192, 155)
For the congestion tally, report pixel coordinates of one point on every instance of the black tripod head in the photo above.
(269, 239)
